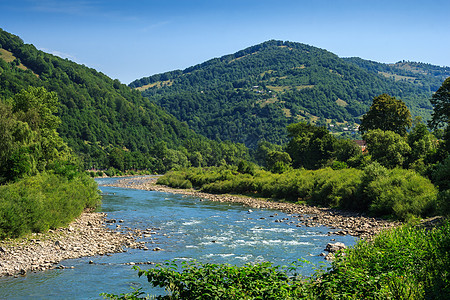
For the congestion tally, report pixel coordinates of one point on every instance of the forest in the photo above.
(107, 124)
(255, 93)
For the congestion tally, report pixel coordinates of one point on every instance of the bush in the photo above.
(194, 280)
(44, 201)
(336, 188)
(398, 193)
(403, 263)
(402, 194)
(441, 175)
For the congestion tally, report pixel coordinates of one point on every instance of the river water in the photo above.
(186, 228)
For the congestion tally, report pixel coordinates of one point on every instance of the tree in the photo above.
(310, 146)
(29, 141)
(387, 113)
(441, 103)
(387, 147)
(421, 141)
(278, 161)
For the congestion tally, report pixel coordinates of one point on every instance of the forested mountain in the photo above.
(255, 93)
(106, 122)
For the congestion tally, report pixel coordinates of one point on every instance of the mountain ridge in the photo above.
(240, 96)
(106, 122)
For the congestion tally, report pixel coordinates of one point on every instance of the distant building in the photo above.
(362, 144)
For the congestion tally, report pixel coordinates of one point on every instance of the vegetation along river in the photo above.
(185, 228)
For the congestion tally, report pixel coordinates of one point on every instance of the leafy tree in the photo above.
(28, 132)
(423, 145)
(388, 148)
(278, 161)
(387, 113)
(441, 103)
(310, 146)
(37, 107)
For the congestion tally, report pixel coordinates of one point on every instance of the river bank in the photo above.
(340, 222)
(86, 236)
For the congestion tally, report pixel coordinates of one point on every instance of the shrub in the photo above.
(194, 280)
(336, 188)
(402, 193)
(404, 263)
(44, 201)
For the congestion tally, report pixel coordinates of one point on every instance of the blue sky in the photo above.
(130, 39)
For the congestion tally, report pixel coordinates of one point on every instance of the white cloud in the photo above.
(59, 54)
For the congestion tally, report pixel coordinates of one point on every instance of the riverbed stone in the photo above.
(335, 247)
(86, 236)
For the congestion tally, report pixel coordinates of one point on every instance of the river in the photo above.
(186, 228)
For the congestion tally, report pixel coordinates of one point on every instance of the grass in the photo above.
(158, 84)
(341, 102)
(9, 57)
(397, 77)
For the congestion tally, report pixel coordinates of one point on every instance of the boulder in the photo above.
(333, 248)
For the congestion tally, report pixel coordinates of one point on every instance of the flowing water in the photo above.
(186, 228)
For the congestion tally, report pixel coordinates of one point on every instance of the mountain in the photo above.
(255, 93)
(105, 122)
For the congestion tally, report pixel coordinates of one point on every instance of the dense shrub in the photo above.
(403, 263)
(194, 280)
(44, 201)
(398, 193)
(336, 188)
(402, 193)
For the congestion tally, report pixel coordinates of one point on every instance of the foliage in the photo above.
(310, 146)
(403, 263)
(387, 147)
(402, 194)
(28, 129)
(441, 175)
(44, 187)
(441, 103)
(255, 93)
(423, 144)
(105, 122)
(387, 114)
(194, 280)
(313, 147)
(376, 190)
(45, 201)
(136, 294)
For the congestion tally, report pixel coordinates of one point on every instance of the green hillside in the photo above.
(106, 122)
(254, 93)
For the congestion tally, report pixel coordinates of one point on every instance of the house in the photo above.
(362, 144)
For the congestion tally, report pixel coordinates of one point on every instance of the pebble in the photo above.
(86, 236)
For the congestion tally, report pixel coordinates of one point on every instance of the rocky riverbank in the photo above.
(86, 236)
(340, 222)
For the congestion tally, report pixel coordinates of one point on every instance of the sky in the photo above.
(131, 39)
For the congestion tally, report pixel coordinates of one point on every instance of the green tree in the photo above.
(310, 146)
(423, 144)
(30, 142)
(17, 141)
(278, 161)
(388, 148)
(117, 159)
(37, 107)
(387, 113)
(441, 103)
